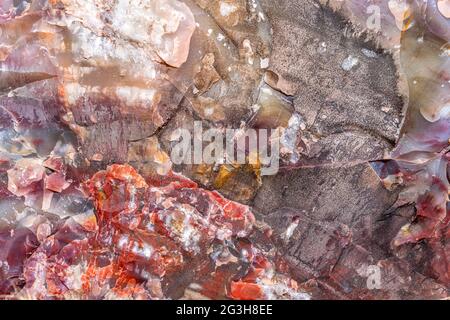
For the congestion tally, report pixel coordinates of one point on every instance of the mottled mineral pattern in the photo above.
(356, 94)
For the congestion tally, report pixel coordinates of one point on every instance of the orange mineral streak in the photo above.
(150, 231)
(248, 288)
(246, 291)
(90, 224)
(145, 234)
(114, 189)
(125, 173)
(142, 238)
(261, 279)
(116, 200)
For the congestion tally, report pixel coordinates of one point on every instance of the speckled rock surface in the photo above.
(93, 204)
